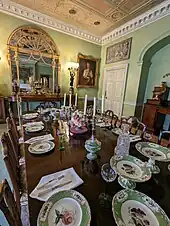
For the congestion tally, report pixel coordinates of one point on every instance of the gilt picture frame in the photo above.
(119, 51)
(87, 75)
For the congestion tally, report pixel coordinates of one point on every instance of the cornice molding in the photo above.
(33, 16)
(144, 19)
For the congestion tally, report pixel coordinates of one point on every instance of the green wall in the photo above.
(160, 65)
(68, 47)
(142, 40)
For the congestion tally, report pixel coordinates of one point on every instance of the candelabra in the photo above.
(72, 67)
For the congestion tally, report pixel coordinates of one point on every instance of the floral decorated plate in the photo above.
(41, 147)
(30, 116)
(65, 208)
(133, 208)
(34, 128)
(154, 151)
(131, 168)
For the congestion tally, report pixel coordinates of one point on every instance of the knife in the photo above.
(42, 185)
(51, 189)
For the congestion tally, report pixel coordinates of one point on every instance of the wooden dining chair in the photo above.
(12, 166)
(164, 138)
(17, 146)
(8, 205)
(108, 118)
(136, 127)
(12, 121)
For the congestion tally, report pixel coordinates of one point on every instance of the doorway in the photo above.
(114, 87)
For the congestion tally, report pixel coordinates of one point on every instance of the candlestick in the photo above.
(64, 99)
(94, 107)
(85, 104)
(70, 100)
(102, 108)
(76, 100)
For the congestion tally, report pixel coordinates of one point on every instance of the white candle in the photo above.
(102, 109)
(85, 104)
(70, 100)
(64, 99)
(94, 107)
(76, 100)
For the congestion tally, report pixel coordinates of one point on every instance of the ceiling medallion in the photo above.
(72, 11)
(96, 22)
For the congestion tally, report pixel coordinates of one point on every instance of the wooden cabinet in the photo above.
(153, 117)
(149, 115)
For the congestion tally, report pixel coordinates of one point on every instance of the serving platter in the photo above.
(154, 151)
(130, 170)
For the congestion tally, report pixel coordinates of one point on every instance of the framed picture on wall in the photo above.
(119, 51)
(88, 71)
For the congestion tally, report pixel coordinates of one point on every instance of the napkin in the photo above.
(39, 138)
(134, 138)
(33, 124)
(102, 124)
(69, 175)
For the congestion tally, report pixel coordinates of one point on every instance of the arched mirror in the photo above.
(34, 61)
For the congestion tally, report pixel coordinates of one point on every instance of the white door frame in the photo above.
(111, 68)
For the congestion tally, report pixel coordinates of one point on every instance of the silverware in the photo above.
(46, 183)
(51, 189)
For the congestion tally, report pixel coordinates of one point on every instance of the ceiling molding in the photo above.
(144, 19)
(33, 16)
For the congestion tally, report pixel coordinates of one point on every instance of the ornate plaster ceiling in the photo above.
(108, 14)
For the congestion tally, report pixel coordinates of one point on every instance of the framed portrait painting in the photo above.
(88, 71)
(119, 51)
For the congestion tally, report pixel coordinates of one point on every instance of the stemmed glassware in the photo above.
(46, 119)
(109, 175)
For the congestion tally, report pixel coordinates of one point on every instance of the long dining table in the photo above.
(73, 155)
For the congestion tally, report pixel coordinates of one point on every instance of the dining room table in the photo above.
(74, 155)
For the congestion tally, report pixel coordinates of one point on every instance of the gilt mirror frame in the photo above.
(33, 41)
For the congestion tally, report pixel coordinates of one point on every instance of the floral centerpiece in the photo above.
(77, 123)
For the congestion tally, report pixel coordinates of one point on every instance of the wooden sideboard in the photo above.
(153, 116)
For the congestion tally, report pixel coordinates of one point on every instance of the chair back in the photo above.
(110, 118)
(164, 138)
(13, 137)
(89, 111)
(13, 123)
(8, 205)
(12, 166)
(135, 126)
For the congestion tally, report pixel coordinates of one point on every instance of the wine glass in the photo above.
(109, 175)
(46, 119)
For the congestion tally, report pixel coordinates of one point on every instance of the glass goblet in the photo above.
(109, 175)
(46, 119)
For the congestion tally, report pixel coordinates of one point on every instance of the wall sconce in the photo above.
(72, 67)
